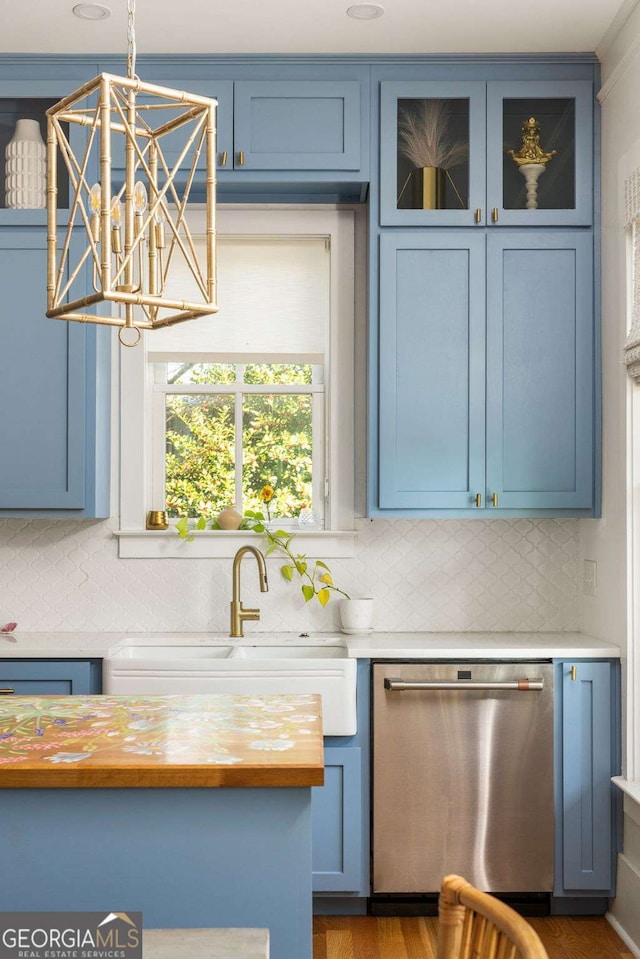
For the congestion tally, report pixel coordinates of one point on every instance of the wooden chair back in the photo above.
(475, 925)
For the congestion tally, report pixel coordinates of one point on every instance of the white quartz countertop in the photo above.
(395, 645)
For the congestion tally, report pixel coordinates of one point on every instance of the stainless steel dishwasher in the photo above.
(462, 776)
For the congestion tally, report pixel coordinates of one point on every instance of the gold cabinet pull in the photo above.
(574, 673)
(6, 692)
(494, 215)
(240, 157)
(478, 215)
(223, 158)
(478, 500)
(494, 499)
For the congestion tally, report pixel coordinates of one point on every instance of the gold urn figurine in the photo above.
(531, 159)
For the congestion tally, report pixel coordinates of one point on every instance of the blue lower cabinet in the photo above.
(336, 810)
(60, 677)
(588, 756)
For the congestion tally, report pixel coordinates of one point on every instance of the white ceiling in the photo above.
(312, 26)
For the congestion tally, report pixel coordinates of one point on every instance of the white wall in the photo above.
(609, 541)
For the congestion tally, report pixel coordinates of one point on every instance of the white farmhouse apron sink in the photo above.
(252, 666)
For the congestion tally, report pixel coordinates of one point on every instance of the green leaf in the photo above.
(323, 596)
(182, 527)
(270, 549)
(202, 523)
(258, 528)
(308, 592)
(324, 565)
(287, 572)
(282, 534)
(301, 567)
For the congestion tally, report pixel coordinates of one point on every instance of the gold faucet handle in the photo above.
(249, 614)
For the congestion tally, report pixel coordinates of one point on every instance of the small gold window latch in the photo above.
(478, 500)
(494, 215)
(574, 673)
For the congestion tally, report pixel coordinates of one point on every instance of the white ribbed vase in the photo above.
(26, 168)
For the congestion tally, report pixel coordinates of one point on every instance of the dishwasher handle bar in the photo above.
(522, 685)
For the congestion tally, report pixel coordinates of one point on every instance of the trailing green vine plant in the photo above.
(316, 577)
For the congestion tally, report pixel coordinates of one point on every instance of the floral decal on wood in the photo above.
(147, 730)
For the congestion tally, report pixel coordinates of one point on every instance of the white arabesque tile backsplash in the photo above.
(434, 575)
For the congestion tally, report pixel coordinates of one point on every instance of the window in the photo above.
(259, 393)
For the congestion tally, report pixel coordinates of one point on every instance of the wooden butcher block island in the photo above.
(194, 810)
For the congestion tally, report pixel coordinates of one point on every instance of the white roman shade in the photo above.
(632, 220)
(274, 301)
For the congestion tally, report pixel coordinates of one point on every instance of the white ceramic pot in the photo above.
(26, 168)
(356, 615)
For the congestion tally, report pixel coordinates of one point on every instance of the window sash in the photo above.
(319, 480)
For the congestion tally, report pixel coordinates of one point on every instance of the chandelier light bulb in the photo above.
(116, 211)
(139, 197)
(161, 219)
(96, 198)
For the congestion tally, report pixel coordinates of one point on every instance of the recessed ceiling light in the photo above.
(365, 11)
(91, 11)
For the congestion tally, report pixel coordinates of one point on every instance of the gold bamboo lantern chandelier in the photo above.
(133, 236)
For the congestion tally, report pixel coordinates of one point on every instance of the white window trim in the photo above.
(136, 404)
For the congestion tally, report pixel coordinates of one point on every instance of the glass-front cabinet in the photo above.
(539, 153)
(432, 167)
(496, 153)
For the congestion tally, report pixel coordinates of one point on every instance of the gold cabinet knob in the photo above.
(240, 157)
(223, 158)
(478, 500)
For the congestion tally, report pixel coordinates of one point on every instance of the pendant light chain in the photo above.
(131, 39)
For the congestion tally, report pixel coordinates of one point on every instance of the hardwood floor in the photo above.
(370, 937)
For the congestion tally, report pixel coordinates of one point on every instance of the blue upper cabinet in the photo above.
(540, 369)
(278, 126)
(449, 153)
(562, 191)
(432, 370)
(524, 353)
(54, 388)
(42, 384)
(173, 143)
(297, 125)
